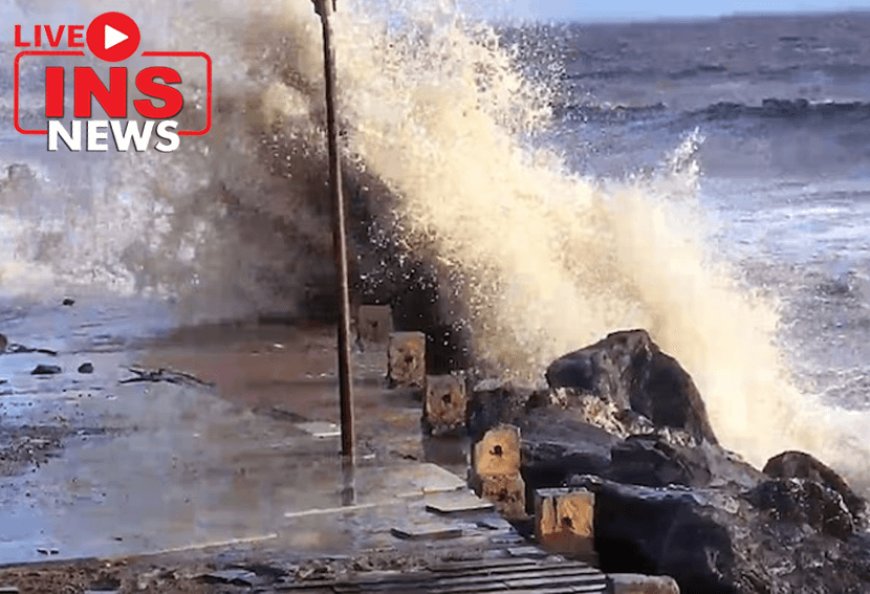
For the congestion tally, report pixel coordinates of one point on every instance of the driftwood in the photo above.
(20, 349)
(163, 375)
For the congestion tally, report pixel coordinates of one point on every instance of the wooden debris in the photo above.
(163, 375)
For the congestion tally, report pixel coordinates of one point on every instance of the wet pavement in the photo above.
(127, 469)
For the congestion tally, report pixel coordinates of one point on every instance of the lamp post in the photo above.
(325, 9)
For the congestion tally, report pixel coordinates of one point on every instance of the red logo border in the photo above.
(24, 54)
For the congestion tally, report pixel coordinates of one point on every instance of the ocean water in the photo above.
(706, 181)
(777, 110)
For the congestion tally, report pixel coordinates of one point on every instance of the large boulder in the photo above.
(556, 443)
(494, 403)
(805, 502)
(672, 531)
(798, 465)
(556, 447)
(716, 542)
(655, 461)
(629, 370)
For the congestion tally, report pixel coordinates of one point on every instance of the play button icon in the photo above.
(113, 37)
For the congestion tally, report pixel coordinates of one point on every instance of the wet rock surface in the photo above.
(628, 370)
(797, 465)
(805, 502)
(716, 541)
(625, 421)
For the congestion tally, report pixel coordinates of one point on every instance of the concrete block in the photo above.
(641, 584)
(498, 452)
(564, 521)
(407, 360)
(374, 323)
(506, 492)
(445, 403)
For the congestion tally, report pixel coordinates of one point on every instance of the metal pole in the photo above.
(339, 233)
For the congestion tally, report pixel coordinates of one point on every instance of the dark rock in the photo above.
(4, 342)
(630, 371)
(652, 462)
(46, 370)
(805, 502)
(655, 461)
(716, 542)
(803, 466)
(670, 531)
(86, 368)
(69, 302)
(556, 447)
(493, 403)
(556, 443)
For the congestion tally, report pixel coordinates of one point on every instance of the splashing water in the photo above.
(541, 260)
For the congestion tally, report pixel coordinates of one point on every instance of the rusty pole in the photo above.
(325, 8)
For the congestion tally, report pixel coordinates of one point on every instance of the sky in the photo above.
(597, 10)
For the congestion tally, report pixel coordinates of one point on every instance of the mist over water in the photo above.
(482, 182)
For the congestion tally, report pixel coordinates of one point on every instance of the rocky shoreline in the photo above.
(624, 420)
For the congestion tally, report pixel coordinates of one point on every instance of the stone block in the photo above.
(374, 323)
(506, 492)
(498, 452)
(641, 584)
(564, 521)
(445, 403)
(407, 360)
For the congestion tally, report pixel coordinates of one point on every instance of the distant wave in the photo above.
(608, 112)
(793, 109)
(620, 72)
(764, 72)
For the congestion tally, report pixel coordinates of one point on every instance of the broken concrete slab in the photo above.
(426, 532)
(320, 429)
(456, 503)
